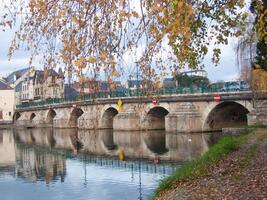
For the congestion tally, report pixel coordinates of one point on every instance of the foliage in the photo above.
(261, 57)
(261, 29)
(94, 36)
(198, 168)
(252, 46)
(259, 77)
(260, 10)
(187, 81)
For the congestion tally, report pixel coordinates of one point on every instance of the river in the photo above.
(44, 164)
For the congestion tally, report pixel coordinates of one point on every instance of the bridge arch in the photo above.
(51, 114)
(226, 114)
(16, 116)
(106, 121)
(32, 116)
(154, 118)
(74, 115)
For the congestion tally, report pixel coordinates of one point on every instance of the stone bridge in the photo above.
(179, 113)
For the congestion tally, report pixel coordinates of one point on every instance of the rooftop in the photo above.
(4, 86)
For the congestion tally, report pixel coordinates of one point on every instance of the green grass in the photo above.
(198, 167)
(256, 126)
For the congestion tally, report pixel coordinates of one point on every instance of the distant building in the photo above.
(201, 73)
(70, 91)
(40, 85)
(15, 79)
(7, 100)
(53, 85)
(134, 84)
(169, 83)
(140, 84)
(94, 86)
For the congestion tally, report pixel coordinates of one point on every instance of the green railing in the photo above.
(127, 93)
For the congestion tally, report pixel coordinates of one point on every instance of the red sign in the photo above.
(217, 97)
(154, 101)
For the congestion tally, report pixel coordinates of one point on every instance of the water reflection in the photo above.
(85, 163)
(187, 146)
(39, 164)
(7, 151)
(63, 160)
(147, 144)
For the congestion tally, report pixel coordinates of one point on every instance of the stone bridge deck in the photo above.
(183, 113)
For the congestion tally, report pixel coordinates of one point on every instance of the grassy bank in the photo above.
(199, 167)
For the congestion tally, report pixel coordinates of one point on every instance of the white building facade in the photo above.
(7, 102)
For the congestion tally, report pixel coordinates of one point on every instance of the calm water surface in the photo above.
(42, 164)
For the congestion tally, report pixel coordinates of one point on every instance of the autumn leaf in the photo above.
(91, 59)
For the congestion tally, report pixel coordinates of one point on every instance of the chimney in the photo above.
(45, 73)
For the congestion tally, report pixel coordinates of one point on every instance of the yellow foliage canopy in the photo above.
(91, 35)
(259, 79)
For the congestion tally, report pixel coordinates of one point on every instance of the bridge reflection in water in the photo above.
(135, 144)
(90, 159)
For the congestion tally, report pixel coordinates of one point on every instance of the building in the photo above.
(138, 84)
(170, 83)
(95, 86)
(7, 100)
(40, 85)
(15, 79)
(53, 84)
(201, 73)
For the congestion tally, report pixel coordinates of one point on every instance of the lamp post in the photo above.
(137, 77)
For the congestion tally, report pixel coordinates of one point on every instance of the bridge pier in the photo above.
(185, 118)
(128, 120)
(258, 116)
(61, 120)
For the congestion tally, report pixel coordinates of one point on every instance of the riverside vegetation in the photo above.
(234, 168)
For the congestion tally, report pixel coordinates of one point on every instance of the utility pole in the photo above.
(137, 77)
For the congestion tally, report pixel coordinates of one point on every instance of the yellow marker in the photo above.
(119, 102)
(119, 105)
(119, 109)
(121, 154)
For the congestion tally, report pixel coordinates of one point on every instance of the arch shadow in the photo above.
(50, 116)
(225, 115)
(16, 116)
(32, 116)
(75, 114)
(107, 118)
(155, 118)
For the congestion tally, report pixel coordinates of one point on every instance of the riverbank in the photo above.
(235, 168)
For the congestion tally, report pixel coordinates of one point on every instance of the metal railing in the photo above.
(128, 93)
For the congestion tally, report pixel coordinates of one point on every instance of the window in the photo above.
(1, 114)
(9, 113)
